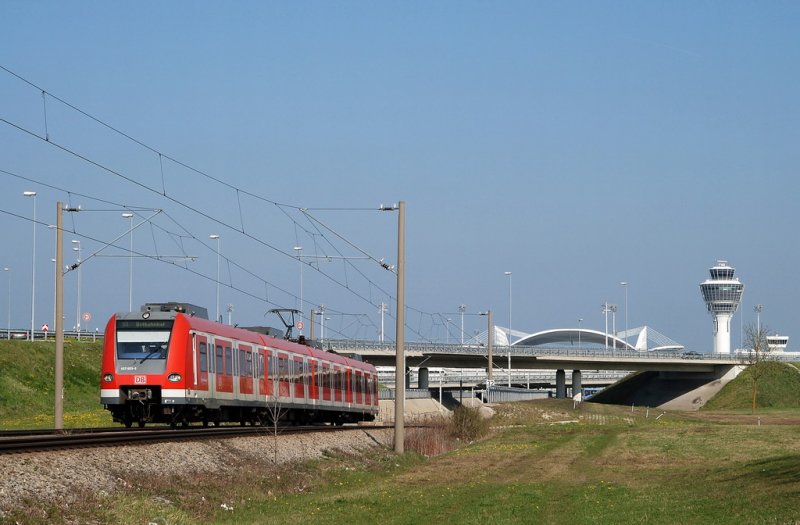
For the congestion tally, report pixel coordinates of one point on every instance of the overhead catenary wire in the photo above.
(241, 228)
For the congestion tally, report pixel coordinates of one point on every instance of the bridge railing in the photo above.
(366, 347)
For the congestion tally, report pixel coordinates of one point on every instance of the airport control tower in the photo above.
(722, 294)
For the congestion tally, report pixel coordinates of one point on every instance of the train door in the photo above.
(326, 382)
(245, 371)
(200, 362)
(282, 374)
(261, 372)
(348, 386)
(359, 388)
(337, 384)
(298, 377)
(313, 380)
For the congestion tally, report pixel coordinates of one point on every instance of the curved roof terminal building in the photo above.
(722, 294)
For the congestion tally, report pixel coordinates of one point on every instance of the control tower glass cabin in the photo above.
(722, 294)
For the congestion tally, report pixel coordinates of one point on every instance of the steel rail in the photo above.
(35, 442)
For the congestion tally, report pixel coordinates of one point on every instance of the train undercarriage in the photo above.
(143, 412)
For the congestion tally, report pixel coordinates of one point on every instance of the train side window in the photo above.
(241, 362)
(203, 357)
(220, 362)
(228, 361)
(283, 368)
(248, 357)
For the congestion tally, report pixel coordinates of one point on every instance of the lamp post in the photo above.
(230, 314)
(625, 285)
(33, 261)
(215, 237)
(509, 327)
(383, 308)
(489, 345)
(757, 308)
(462, 308)
(579, 332)
(299, 250)
(129, 216)
(321, 313)
(77, 248)
(8, 325)
(606, 310)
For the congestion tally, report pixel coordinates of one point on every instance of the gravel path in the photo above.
(54, 476)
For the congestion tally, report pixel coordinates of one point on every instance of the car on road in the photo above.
(691, 355)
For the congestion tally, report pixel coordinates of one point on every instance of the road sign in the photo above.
(87, 316)
(45, 328)
(299, 325)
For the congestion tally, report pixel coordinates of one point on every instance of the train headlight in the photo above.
(174, 378)
(108, 378)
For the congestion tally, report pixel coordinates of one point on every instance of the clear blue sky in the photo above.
(576, 145)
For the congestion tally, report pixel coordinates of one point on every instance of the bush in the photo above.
(467, 424)
(430, 440)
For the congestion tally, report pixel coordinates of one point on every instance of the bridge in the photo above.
(664, 376)
(533, 357)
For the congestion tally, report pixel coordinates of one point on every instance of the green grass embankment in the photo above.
(27, 384)
(778, 387)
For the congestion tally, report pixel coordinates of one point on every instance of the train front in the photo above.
(142, 377)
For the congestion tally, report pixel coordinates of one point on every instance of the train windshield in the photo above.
(141, 341)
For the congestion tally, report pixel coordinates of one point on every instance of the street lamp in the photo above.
(489, 345)
(625, 285)
(129, 216)
(8, 326)
(299, 250)
(77, 248)
(757, 308)
(579, 332)
(509, 327)
(321, 313)
(383, 308)
(33, 261)
(215, 237)
(462, 308)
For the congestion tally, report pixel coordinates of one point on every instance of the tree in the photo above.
(755, 357)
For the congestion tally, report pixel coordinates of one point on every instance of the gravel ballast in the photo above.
(60, 475)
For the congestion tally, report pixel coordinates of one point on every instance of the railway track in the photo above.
(35, 441)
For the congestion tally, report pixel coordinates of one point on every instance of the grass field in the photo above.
(544, 462)
(27, 385)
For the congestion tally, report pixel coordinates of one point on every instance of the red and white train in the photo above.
(167, 364)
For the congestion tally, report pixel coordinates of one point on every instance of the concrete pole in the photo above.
(59, 325)
(313, 319)
(399, 376)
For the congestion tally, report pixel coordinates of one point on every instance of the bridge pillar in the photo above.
(576, 383)
(561, 384)
(422, 378)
